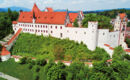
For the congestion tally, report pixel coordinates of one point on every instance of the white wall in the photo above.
(5, 58)
(113, 39)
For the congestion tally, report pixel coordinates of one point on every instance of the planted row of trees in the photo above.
(49, 47)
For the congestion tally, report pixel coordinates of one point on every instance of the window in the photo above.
(46, 26)
(103, 33)
(41, 26)
(46, 31)
(114, 36)
(51, 26)
(76, 32)
(84, 32)
(56, 27)
(51, 31)
(35, 25)
(61, 27)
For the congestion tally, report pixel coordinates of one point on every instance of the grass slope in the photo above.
(46, 47)
(16, 70)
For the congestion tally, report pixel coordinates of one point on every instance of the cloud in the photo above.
(70, 4)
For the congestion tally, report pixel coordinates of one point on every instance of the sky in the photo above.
(68, 4)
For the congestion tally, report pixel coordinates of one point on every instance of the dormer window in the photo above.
(51, 17)
(45, 17)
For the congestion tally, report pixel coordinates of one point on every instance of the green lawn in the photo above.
(2, 78)
(16, 70)
(20, 71)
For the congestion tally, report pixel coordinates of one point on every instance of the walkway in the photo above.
(5, 76)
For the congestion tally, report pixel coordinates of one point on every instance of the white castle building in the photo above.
(60, 25)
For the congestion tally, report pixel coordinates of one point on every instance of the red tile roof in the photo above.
(82, 13)
(4, 52)
(35, 9)
(122, 15)
(49, 9)
(14, 22)
(88, 63)
(51, 17)
(13, 38)
(111, 48)
(69, 25)
(127, 50)
(109, 60)
(107, 45)
(73, 16)
(43, 17)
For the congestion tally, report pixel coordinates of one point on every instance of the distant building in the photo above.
(60, 25)
(5, 54)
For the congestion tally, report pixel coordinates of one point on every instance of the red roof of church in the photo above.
(13, 38)
(73, 16)
(4, 52)
(50, 9)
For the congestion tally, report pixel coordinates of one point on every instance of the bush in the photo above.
(37, 69)
(41, 62)
(127, 56)
(30, 66)
(36, 77)
(0, 47)
(23, 60)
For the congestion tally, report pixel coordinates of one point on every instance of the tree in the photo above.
(128, 42)
(41, 62)
(77, 71)
(0, 47)
(128, 24)
(103, 21)
(57, 72)
(76, 23)
(118, 53)
(59, 52)
(23, 60)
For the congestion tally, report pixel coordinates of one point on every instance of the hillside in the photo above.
(53, 48)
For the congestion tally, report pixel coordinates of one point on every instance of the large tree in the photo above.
(103, 21)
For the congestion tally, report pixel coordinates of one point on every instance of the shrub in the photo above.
(37, 68)
(30, 66)
(36, 77)
(23, 60)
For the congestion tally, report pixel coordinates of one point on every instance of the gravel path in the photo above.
(8, 77)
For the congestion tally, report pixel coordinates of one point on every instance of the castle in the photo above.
(60, 25)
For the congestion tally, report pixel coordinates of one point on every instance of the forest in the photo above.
(6, 19)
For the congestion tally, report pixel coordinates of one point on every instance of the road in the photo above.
(8, 77)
